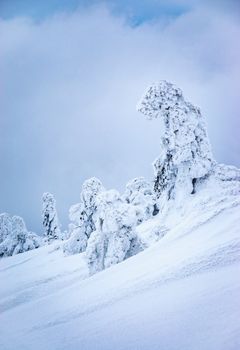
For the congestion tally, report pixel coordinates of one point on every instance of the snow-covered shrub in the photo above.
(185, 153)
(82, 217)
(139, 192)
(50, 218)
(115, 237)
(15, 238)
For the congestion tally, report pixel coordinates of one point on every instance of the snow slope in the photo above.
(180, 293)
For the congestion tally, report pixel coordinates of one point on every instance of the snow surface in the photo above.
(180, 293)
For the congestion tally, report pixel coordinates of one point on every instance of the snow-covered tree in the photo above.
(50, 218)
(139, 192)
(115, 237)
(24, 240)
(185, 155)
(90, 189)
(5, 226)
(15, 237)
(77, 241)
(82, 217)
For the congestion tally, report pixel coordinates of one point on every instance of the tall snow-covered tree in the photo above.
(50, 218)
(82, 217)
(139, 192)
(15, 238)
(185, 154)
(90, 189)
(115, 237)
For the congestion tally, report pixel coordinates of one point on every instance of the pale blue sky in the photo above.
(72, 73)
(136, 11)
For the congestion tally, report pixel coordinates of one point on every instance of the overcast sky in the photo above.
(72, 73)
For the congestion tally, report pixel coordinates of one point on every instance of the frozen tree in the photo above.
(5, 226)
(90, 189)
(16, 238)
(19, 233)
(115, 237)
(5, 234)
(77, 241)
(139, 192)
(82, 217)
(50, 219)
(185, 155)
(24, 240)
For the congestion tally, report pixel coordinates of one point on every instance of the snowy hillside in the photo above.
(181, 293)
(156, 267)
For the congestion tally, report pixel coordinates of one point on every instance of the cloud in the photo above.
(69, 88)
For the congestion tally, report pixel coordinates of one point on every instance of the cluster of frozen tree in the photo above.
(14, 236)
(103, 224)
